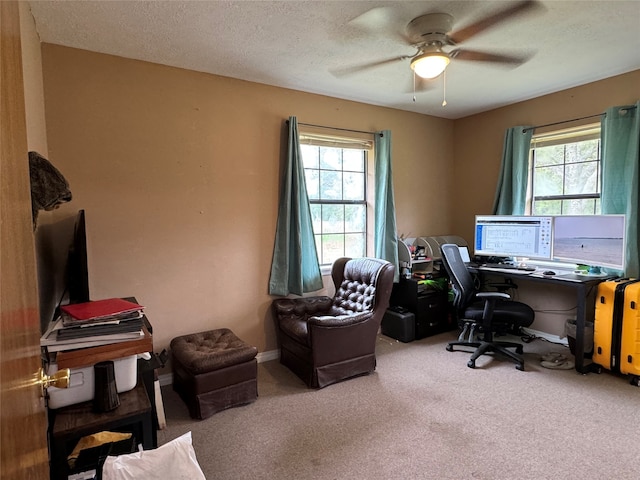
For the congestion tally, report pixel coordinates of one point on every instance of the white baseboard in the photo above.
(268, 356)
(167, 378)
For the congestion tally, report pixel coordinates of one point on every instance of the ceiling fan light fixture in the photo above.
(430, 64)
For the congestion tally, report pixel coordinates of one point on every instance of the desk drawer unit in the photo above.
(430, 307)
(432, 314)
(616, 335)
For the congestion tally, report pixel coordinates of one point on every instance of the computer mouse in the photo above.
(549, 272)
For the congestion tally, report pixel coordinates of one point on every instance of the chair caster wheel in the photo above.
(635, 381)
(520, 367)
(471, 364)
(449, 348)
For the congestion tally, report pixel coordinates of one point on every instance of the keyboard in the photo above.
(508, 266)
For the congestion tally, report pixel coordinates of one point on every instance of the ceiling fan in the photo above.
(432, 35)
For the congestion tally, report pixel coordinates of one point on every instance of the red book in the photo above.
(109, 307)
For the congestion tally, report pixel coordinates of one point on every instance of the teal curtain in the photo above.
(385, 237)
(294, 267)
(511, 193)
(620, 135)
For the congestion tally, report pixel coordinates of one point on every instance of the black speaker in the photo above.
(399, 325)
(105, 396)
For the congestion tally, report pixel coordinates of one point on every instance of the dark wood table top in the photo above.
(80, 417)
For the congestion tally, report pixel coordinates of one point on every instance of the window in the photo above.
(336, 178)
(566, 172)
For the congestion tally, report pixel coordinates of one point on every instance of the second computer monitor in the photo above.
(514, 236)
(595, 240)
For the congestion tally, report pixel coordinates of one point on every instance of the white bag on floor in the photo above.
(175, 460)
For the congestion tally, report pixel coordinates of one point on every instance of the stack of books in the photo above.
(94, 323)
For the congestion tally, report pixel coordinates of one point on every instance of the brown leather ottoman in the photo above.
(213, 371)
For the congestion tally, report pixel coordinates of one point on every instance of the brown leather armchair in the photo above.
(325, 340)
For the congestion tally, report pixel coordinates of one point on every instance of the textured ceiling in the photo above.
(298, 44)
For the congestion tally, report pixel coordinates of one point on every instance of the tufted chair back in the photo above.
(355, 282)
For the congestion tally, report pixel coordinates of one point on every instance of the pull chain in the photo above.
(414, 87)
(444, 88)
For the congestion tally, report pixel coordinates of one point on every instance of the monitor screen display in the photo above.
(514, 236)
(594, 240)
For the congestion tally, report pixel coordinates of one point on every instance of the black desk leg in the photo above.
(581, 314)
(148, 431)
(581, 320)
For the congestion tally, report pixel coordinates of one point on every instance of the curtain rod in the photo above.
(336, 128)
(630, 107)
(524, 130)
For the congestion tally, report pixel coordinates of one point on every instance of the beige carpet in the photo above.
(424, 415)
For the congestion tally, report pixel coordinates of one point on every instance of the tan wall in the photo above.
(178, 172)
(478, 139)
(478, 142)
(33, 87)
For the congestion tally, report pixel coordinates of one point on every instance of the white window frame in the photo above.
(563, 137)
(309, 136)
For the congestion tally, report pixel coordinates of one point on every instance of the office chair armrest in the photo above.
(490, 299)
(493, 295)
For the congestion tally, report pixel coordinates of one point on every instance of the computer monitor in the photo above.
(514, 236)
(464, 254)
(594, 240)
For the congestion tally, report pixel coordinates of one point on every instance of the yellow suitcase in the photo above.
(616, 335)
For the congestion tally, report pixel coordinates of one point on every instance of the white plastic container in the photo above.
(81, 383)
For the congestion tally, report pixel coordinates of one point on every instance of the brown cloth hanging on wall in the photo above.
(49, 188)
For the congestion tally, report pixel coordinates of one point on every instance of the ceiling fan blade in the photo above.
(346, 71)
(373, 20)
(487, 22)
(380, 20)
(476, 56)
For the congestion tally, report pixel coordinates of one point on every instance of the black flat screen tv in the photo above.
(77, 264)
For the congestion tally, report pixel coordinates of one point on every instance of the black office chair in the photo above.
(481, 314)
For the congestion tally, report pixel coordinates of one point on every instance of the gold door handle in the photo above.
(60, 379)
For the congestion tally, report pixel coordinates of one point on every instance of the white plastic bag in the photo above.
(175, 460)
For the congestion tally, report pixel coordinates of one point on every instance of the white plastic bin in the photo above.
(81, 383)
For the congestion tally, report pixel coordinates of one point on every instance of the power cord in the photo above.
(528, 338)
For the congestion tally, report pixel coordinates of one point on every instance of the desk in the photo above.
(580, 283)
